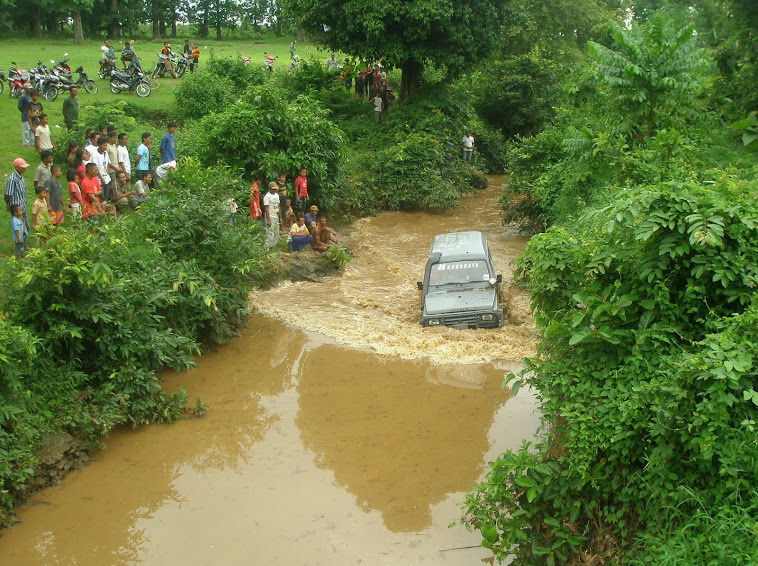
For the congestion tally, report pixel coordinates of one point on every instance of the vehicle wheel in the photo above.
(2, 86)
(114, 89)
(50, 93)
(180, 71)
(90, 86)
(156, 71)
(14, 92)
(143, 89)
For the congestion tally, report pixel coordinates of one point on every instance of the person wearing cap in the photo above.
(42, 172)
(271, 210)
(27, 136)
(311, 215)
(15, 189)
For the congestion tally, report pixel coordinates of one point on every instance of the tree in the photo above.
(404, 34)
(649, 72)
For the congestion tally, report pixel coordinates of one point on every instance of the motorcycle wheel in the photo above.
(180, 71)
(2, 86)
(143, 89)
(156, 71)
(50, 93)
(90, 86)
(114, 89)
(14, 92)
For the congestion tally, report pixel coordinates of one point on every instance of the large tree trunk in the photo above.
(204, 25)
(36, 23)
(156, 20)
(78, 32)
(114, 27)
(410, 78)
(301, 34)
(162, 27)
(173, 23)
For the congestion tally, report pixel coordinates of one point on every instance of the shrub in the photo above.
(645, 374)
(265, 133)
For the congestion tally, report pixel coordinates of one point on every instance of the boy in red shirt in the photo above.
(301, 191)
(91, 191)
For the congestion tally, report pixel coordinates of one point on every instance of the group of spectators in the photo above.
(290, 214)
(128, 56)
(370, 82)
(100, 177)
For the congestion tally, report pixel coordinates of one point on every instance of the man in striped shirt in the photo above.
(15, 189)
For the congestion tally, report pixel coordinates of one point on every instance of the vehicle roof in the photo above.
(460, 246)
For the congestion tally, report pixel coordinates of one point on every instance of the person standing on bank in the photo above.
(27, 136)
(467, 147)
(168, 148)
(71, 109)
(15, 189)
(271, 209)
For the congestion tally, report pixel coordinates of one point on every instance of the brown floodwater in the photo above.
(333, 436)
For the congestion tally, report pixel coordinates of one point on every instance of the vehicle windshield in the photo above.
(459, 272)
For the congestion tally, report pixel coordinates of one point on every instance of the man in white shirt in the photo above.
(271, 210)
(467, 147)
(122, 152)
(100, 158)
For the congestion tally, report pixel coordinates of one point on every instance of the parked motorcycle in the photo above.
(182, 64)
(161, 68)
(56, 82)
(107, 70)
(2, 82)
(132, 80)
(17, 78)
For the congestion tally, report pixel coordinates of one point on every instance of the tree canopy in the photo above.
(405, 34)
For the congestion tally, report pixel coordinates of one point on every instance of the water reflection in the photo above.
(396, 441)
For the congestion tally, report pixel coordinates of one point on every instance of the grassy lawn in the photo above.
(26, 53)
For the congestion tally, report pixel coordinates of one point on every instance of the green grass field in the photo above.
(26, 53)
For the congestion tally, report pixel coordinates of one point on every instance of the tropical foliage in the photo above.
(87, 320)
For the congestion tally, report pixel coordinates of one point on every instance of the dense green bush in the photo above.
(115, 302)
(266, 133)
(517, 94)
(645, 375)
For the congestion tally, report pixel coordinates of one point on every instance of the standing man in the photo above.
(467, 147)
(143, 163)
(100, 157)
(42, 139)
(122, 153)
(43, 172)
(27, 136)
(112, 150)
(187, 48)
(271, 209)
(71, 109)
(292, 49)
(168, 149)
(15, 189)
(331, 63)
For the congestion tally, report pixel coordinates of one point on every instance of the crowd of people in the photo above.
(128, 56)
(99, 175)
(370, 82)
(290, 214)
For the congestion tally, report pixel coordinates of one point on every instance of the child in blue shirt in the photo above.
(18, 230)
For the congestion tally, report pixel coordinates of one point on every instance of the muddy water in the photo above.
(313, 452)
(376, 304)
